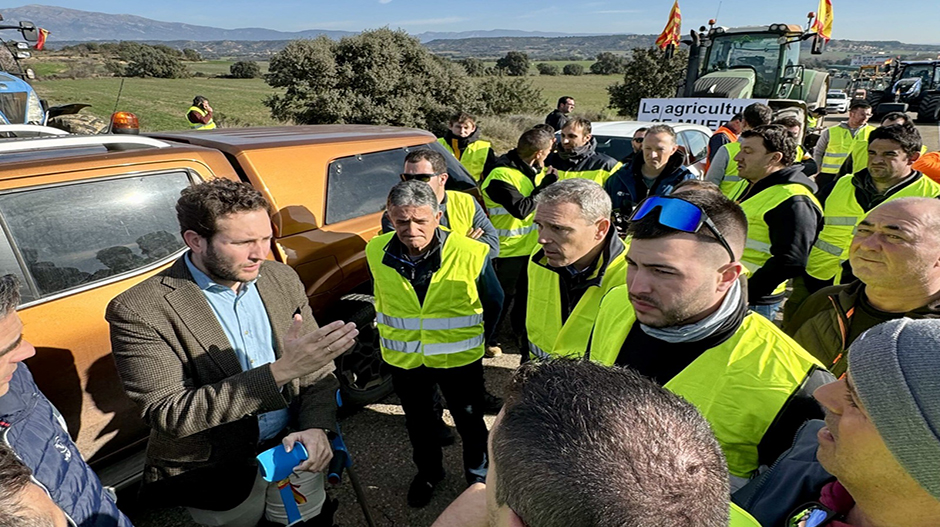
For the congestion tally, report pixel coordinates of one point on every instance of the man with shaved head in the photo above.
(895, 254)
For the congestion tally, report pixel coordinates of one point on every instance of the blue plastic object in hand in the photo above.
(277, 463)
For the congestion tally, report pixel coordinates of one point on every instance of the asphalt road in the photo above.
(378, 443)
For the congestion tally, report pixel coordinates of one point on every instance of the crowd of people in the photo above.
(755, 348)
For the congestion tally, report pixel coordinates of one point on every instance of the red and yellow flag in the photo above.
(823, 23)
(41, 41)
(673, 30)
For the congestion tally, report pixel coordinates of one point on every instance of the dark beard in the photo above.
(218, 268)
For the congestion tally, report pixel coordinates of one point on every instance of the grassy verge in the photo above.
(161, 104)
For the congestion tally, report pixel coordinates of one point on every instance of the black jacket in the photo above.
(626, 187)
(794, 225)
(584, 159)
(556, 119)
(508, 196)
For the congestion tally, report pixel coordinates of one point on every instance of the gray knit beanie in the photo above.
(895, 367)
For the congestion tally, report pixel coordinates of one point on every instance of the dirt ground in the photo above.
(378, 443)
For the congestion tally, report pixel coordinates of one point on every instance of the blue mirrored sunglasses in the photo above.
(812, 515)
(679, 214)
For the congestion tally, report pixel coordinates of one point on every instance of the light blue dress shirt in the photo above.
(246, 324)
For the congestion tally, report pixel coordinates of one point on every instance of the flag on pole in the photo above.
(41, 41)
(823, 23)
(673, 30)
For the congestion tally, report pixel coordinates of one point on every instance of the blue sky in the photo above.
(916, 22)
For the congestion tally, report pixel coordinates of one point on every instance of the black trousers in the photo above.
(513, 276)
(463, 389)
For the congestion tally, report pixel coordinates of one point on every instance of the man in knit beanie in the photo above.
(880, 439)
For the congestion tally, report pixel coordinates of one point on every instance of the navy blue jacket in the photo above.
(626, 187)
(35, 430)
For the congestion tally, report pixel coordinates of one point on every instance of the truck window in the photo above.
(79, 233)
(358, 185)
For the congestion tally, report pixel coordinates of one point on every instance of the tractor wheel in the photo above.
(929, 110)
(79, 123)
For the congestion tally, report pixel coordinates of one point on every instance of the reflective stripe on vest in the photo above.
(543, 323)
(461, 208)
(202, 113)
(841, 217)
(739, 386)
(516, 237)
(473, 158)
(757, 246)
(842, 144)
(445, 330)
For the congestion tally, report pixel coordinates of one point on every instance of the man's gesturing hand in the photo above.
(305, 354)
(319, 451)
(474, 234)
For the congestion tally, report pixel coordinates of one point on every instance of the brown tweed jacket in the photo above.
(177, 365)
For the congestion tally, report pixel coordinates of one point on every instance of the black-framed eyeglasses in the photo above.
(637, 139)
(679, 214)
(812, 514)
(419, 177)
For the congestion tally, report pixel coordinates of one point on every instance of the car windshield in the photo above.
(616, 147)
(836, 95)
(760, 52)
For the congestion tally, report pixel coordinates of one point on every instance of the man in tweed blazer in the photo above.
(223, 357)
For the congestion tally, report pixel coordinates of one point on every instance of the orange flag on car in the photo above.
(673, 30)
(41, 41)
(823, 23)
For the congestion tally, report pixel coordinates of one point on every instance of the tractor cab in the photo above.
(764, 59)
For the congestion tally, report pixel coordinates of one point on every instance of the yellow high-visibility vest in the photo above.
(739, 386)
(842, 144)
(517, 237)
(446, 329)
(841, 217)
(473, 158)
(199, 126)
(548, 337)
(757, 246)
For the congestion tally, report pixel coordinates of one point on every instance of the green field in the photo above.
(161, 104)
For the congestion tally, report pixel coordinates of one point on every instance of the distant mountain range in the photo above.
(71, 26)
(81, 26)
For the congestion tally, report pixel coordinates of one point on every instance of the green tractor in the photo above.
(756, 62)
(915, 87)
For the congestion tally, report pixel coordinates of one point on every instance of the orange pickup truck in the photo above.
(86, 217)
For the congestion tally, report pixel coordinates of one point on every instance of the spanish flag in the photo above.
(673, 30)
(41, 41)
(823, 23)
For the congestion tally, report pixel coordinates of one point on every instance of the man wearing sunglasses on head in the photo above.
(682, 319)
(874, 461)
(783, 215)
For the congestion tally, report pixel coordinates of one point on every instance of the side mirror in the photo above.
(817, 45)
(29, 32)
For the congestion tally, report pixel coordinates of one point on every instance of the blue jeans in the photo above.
(768, 311)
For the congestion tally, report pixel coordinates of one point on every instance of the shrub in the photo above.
(191, 55)
(573, 69)
(245, 69)
(515, 64)
(607, 64)
(474, 67)
(546, 69)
